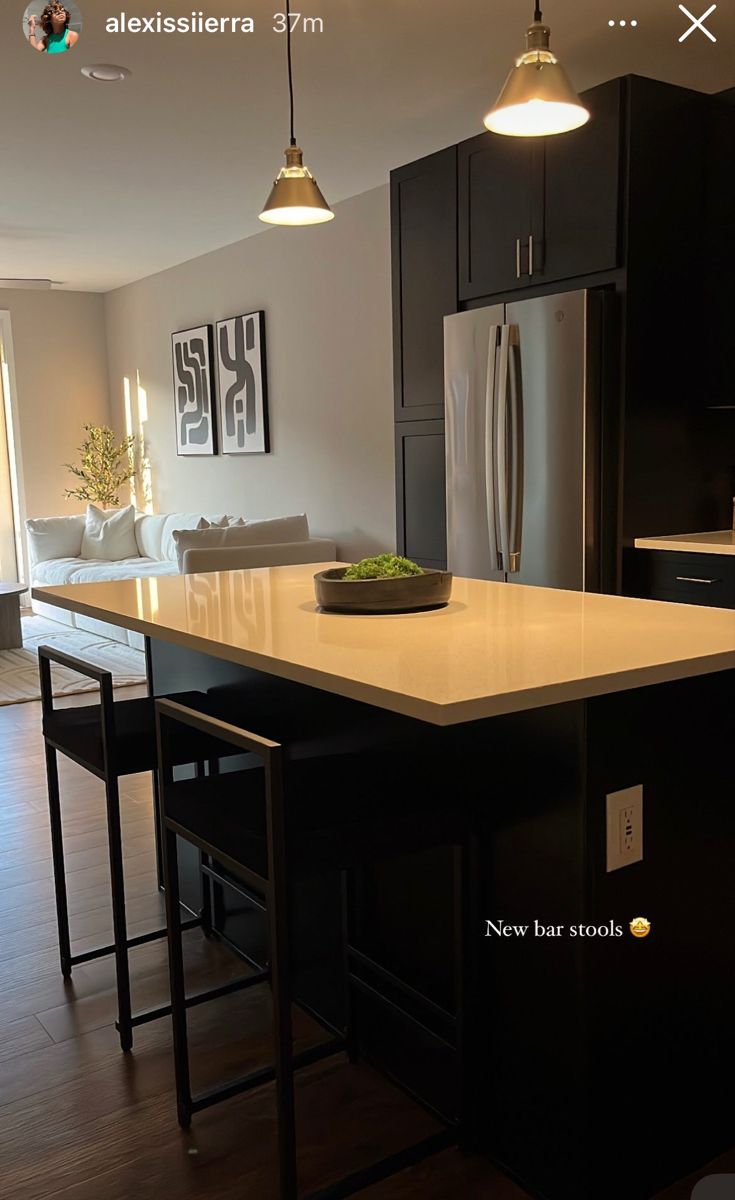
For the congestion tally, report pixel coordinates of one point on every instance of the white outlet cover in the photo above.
(616, 804)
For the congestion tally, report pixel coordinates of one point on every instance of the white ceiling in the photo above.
(102, 184)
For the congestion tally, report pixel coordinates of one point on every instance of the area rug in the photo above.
(19, 681)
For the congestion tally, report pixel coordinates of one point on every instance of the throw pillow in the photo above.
(109, 534)
(279, 529)
(55, 537)
(215, 523)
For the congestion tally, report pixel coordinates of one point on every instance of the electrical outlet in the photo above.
(624, 827)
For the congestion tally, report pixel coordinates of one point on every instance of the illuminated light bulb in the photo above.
(537, 99)
(295, 198)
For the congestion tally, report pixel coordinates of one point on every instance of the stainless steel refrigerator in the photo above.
(523, 386)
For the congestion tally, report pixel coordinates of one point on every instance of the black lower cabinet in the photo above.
(421, 492)
(707, 579)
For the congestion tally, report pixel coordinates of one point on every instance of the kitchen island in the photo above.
(597, 1056)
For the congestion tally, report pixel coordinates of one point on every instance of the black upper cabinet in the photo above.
(499, 179)
(424, 246)
(582, 184)
(541, 209)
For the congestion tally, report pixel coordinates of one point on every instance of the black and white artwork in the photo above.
(243, 394)
(193, 358)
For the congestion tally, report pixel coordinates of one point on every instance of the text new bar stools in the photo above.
(271, 824)
(109, 739)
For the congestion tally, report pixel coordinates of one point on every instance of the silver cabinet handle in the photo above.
(530, 254)
(693, 579)
(518, 258)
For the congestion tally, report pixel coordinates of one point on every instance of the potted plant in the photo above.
(106, 464)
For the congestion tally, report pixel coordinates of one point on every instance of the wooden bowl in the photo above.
(404, 594)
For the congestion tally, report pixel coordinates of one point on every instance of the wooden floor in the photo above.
(80, 1120)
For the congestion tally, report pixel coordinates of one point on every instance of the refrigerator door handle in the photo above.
(515, 450)
(492, 497)
(507, 450)
(501, 480)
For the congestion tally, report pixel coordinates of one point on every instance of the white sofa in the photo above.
(55, 545)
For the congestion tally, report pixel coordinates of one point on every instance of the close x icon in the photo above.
(698, 23)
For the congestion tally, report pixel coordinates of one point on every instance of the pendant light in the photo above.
(537, 97)
(295, 198)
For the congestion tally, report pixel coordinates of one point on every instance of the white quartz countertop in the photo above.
(719, 541)
(496, 648)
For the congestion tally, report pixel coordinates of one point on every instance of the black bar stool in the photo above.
(110, 740)
(270, 824)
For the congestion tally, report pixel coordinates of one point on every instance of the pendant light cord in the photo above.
(537, 14)
(290, 71)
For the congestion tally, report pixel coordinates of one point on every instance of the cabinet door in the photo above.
(579, 232)
(421, 492)
(497, 179)
(424, 244)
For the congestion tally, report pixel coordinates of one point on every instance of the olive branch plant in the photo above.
(106, 464)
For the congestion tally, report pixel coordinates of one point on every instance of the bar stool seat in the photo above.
(78, 733)
(332, 818)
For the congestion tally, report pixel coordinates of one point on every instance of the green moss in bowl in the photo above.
(382, 566)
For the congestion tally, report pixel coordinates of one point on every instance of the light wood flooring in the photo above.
(80, 1120)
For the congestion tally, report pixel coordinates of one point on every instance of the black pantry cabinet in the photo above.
(424, 250)
(635, 201)
(420, 491)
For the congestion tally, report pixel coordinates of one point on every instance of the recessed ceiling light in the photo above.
(106, 73)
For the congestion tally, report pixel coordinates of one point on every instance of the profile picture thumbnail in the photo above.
(52, 27)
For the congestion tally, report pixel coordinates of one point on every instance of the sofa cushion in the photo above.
(78, 570)
(254, 533)
(109, 534)
(153, 532)
(148, 534)
(55, 537)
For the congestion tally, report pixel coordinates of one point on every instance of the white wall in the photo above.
(326, 295)
(59, 354)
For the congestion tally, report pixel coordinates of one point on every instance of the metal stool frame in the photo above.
(275, 890)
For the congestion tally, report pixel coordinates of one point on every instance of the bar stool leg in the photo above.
(119, 923)
(467, 910)
(176, 977)
(206, 861)
(278, 920)
(57, 852)
(352, 1039)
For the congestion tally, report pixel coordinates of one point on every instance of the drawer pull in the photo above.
(693, 579)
